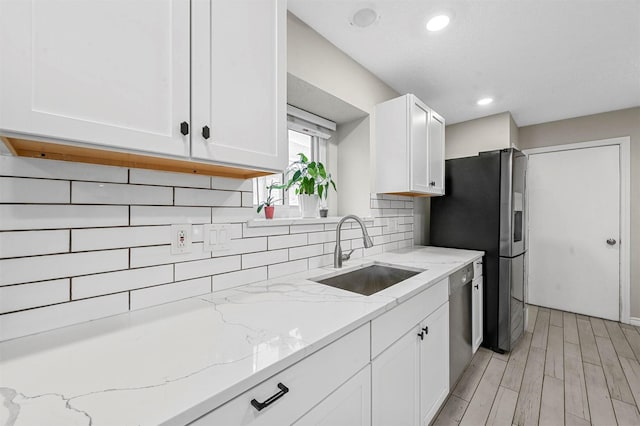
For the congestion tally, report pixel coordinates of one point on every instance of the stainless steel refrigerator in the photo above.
(483, 209)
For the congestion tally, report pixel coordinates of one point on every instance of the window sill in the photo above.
(285, 221)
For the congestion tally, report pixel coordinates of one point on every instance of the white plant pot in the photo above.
(308, 205)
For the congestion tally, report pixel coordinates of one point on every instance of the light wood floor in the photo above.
(567, 369)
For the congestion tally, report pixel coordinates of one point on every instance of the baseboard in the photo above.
(634, 321)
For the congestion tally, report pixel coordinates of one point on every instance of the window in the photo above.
(305, 137)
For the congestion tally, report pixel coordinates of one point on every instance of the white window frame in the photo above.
(320, 130)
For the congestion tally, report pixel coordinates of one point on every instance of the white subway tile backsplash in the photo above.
(39, 268)
(247, 199)
(322, 237)
(264, 258)
(154, 177)
(306, 251)
(41, 191)
(152, 215)
(201, 268)
(373, 250)
(49, 216)
(298, 229)
(52, 169)
(113, 193)
(108, 238)
(240, 246)
(287, 268)
(284, 241)
(115, 282)
(263, 231)
(233, 214)
(37, 320)
(32, 243)
(159, 255)
(320, 261)
(391, 246)
(100, 235)
(207, 197)
(25, 296)
(380, 204)
(169, 292)
(235, 279)
(230, 184)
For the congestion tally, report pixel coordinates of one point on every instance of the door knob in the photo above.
(611, 242)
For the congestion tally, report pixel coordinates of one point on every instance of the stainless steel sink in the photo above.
(368, 279)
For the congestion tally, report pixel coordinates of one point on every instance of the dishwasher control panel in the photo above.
(461, 277)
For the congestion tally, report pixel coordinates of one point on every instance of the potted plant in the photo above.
(268, 204)
(312, 182)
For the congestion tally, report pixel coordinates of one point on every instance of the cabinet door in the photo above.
(239, 82)
(476, 315)
(103, 72)
(350, 405)
(436, 153)
(419, 134)
(394, 384)
(434, 363)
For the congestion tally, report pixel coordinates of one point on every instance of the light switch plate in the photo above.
(392, 224)
(181, 238)
(216, 237)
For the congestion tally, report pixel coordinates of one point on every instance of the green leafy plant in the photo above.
(270, 199)
(309, 177)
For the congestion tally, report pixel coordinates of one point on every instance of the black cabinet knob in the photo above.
(206, 132)
(184, 128)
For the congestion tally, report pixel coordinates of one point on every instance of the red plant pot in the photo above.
(268, 212)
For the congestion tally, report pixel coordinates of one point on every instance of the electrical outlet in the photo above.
(181, 239)
(216, 237)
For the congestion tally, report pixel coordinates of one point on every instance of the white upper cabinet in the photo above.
(113, 73)
(436, 154)
(239, 82)
(409, 148)
(203, 79)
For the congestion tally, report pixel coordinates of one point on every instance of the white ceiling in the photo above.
(543, 60)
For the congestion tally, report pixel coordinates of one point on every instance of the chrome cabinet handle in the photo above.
(611, 242)
(261, 405)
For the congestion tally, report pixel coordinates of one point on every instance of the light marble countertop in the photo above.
(172, 363)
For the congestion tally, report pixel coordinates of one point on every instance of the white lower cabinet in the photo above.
(350, 405)
(308, 382)
(410, 374)
(410, 380)
(395, 383)
(434, 363)
(477, 312)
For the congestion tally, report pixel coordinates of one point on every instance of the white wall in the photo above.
(353, 167)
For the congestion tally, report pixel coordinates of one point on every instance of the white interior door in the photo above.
(574, 230)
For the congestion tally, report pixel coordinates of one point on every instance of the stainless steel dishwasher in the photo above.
(460, 349)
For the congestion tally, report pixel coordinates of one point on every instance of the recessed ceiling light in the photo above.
(437, 23)
(364, 17)
(485, 101)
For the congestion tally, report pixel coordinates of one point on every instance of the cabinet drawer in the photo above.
(477, 267)
(309, 381)
(388, 327)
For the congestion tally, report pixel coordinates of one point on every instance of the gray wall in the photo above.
(313, 59)
(624, 122)
(482, 134)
